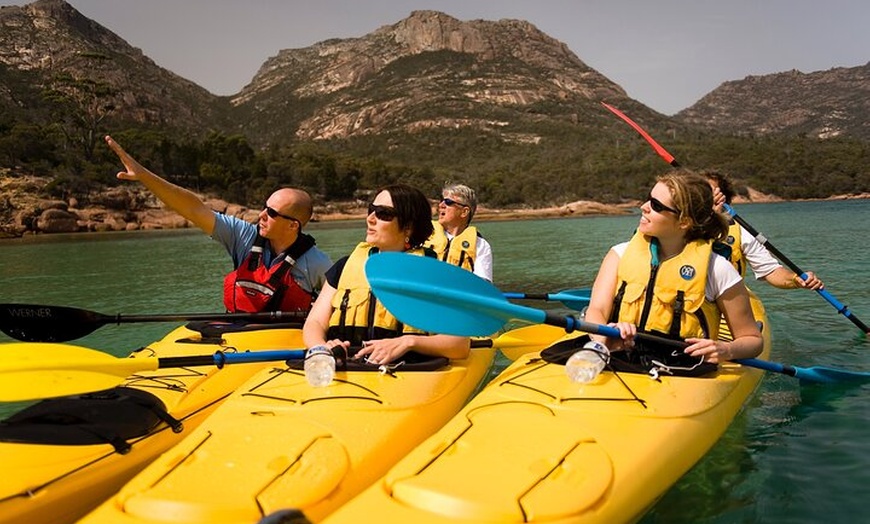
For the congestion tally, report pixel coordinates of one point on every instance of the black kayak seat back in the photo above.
(114, 416)
(212, 332)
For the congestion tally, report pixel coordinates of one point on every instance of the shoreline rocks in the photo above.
(131, 207)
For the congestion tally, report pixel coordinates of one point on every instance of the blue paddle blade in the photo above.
(576, 299)
(815, 374)
(825, 375)
(440, 298)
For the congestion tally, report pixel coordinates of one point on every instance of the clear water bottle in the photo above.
(319, 366)
(587, 363)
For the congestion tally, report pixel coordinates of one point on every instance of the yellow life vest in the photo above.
(460, 251)
(677, 306)
(357, 315)
(734, 241)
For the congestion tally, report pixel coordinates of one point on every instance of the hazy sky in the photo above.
(665, 53)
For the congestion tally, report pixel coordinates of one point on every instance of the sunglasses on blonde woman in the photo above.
(385, 213)
(658, 207)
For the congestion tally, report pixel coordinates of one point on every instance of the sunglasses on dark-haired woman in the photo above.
(385, 213)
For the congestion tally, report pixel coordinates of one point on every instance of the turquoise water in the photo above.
(796, 454)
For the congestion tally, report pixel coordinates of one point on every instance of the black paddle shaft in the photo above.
(43, 323)
(841, 308)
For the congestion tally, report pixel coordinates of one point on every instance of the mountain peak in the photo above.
(427, 70)
(65, 53)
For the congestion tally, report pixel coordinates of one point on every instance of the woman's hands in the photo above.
(384, 350)
(627, 332)
(713, 351)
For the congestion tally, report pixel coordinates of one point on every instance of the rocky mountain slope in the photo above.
(427, 71)
(822, 104)
(49, 46)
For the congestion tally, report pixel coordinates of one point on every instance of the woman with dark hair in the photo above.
(346, 312)
(667, 280)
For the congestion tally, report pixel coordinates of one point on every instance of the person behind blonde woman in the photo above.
(692, 286)
(747, 250)
(456, 241)
(346, 314)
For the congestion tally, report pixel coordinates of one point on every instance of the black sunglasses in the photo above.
(274, 214)
(451, 202)
(385, 213)
(657, 205)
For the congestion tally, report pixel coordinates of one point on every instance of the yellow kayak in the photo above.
(536, 447)
(279, 443)
(63, 457)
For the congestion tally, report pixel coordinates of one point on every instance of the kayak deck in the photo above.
(536, 447)
(48, 481)
(279, 443)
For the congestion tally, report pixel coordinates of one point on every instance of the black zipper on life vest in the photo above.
(617, 302)
(370, 316)
(342, 317)
(679, 306)
(702, 320)
(648, 297)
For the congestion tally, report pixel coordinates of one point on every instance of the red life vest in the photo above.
(252, 287)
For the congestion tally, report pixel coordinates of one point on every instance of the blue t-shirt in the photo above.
(237, 237)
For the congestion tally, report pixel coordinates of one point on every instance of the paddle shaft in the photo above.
(220, 358)
(557, 297)
(576, 299)
(669, 158)
(45, 323)
(34, 371)
(528, 296)
(42, 370)
(812, 374)
(192, 317)
(775, 367)
(841, 308)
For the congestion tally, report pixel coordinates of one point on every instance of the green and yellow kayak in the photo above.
(278, 443)
(62, 457)
(536, 447)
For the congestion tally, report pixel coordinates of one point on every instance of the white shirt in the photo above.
(721, 275)
(757, 256)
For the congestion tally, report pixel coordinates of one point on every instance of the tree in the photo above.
(81, 103)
